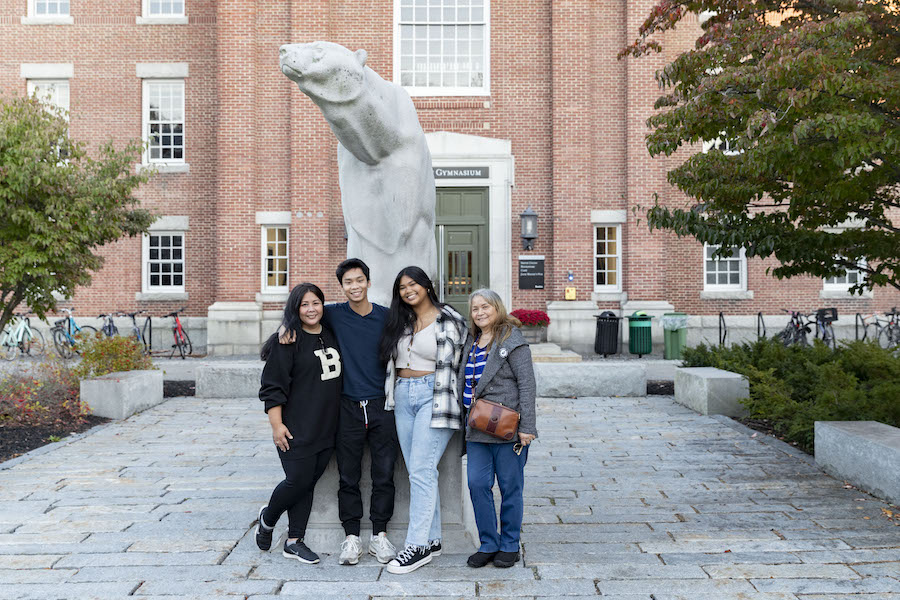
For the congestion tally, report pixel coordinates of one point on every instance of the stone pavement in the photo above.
(626, 498)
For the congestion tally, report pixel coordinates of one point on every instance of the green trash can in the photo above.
(674, 326)
(640, 341)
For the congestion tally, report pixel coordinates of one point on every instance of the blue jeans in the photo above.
(487, 461)
(422, 448)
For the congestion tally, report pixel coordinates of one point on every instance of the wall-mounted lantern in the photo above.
(529, 228)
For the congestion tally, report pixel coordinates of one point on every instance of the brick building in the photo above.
(524, 104)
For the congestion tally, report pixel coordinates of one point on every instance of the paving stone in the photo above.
(719, 587)
(798, 571)
(395, 586)
(68, 591)
(624, 571)
(700, 558)
(207, 589)
(34, 561)
(122, 559)
(25, 576)
(828, 586)
(891, 569)
(158, 573)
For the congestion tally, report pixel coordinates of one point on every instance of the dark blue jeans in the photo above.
(487, 462)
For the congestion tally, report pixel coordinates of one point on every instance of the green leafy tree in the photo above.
(803, 97)
(58, 205)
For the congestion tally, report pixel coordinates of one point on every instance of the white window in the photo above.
(441, 47)
(163, 262)
(846, 280)
(53, 93)
(164, 120)
(607, 258)
(727, 272)
(720, 143)
(49, 8)
(163, 8)
(275, 259)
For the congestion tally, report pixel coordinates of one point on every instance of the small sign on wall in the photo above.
(531, 272)
(462, 172)
(570, 293)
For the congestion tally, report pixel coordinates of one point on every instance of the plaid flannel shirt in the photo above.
(451, 334)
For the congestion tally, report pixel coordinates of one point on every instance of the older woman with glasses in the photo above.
(497, 367)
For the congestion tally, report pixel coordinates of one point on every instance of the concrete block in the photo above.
(233, 328)
(865, 453)
(120, 395)
(711, 391)
(601, 378)
(228, 379)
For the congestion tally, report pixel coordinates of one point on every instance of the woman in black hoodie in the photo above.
(301, 389)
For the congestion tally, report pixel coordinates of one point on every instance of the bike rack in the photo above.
(760, 325)
(723, 329)
(860, 320)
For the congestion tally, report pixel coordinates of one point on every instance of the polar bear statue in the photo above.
(387, 183)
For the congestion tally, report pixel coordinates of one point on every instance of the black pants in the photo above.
(352, 435)
(294, 495)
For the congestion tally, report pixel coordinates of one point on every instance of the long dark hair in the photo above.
(401, 317)
(291, 318)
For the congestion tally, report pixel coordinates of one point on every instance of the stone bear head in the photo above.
(324, 71)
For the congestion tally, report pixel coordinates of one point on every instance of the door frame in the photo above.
(456, 149)
(483, 223)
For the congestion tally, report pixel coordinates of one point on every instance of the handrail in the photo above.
(723, 329)
(760, 323)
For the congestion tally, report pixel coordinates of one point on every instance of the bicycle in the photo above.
(19, 337)
(889, 335)
(824, 318)
(140, 335)
(796, 331)
(182, 341)
(67, 333)
(109, 328)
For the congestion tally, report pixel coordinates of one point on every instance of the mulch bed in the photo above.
(15, 441)
(661, 388)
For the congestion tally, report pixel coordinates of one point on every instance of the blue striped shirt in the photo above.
(474, 368)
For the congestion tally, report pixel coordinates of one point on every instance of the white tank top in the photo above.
(418, 352)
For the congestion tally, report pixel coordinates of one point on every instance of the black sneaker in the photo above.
(410, 559)
(263, 533)
(435, 547)
(504, 560)
(300, 551)
(480, 559)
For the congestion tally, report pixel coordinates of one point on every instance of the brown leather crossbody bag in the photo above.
(494, 419)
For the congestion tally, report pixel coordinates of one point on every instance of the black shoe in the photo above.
(263, 533)
(410, 559)
(480, 559)
(435, 547)
(301, 552)
(504, 560)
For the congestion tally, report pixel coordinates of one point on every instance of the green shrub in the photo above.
(47, 397)
(101, 355)
(795, 386)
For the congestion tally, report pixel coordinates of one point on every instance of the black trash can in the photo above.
(606, 341)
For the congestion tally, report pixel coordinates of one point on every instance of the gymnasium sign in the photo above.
(462, 173)
(531, 272)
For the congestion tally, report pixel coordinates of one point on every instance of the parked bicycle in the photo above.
(140, 334)
(109, 328)
(800, 326)
(182, 341)
(19, 338)
(67, 333)
(796, 331)
(889, 334)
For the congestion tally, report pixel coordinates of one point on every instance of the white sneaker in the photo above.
(381, 548)
(351, 550)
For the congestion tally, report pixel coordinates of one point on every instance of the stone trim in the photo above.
(177, 70)
(46, 70)
(171, 223)
(159, 296)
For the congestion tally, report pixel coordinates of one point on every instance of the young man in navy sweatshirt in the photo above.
(357, 324)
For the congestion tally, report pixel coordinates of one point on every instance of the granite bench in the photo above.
(120, 395)
(711, 391)
(865, 453)
(591, 379)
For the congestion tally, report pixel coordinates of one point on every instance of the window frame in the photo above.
(425, 91)
(146, 287)
(145, 11)
(607, 288)
(145, 121)
(844, 287)
(32, 11)
(32, 83)
(265, 288)
(741, 286)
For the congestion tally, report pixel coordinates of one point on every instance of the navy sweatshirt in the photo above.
(305, 380)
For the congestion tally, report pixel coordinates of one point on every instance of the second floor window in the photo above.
(51, 8)
(53, 93)
(164, 120)
(164, 261)
(165, 8)
(441, 47)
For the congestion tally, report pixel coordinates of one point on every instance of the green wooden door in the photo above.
(462, 244)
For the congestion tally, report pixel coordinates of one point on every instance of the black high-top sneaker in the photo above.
(410, 559)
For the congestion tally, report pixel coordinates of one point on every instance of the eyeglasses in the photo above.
(517, 448)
